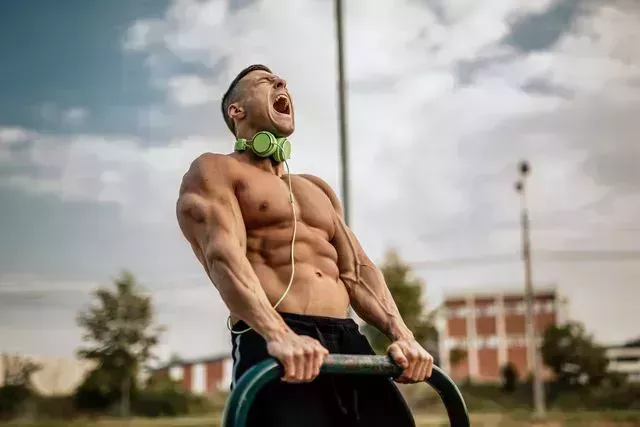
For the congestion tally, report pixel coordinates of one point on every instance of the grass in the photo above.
(519, 418)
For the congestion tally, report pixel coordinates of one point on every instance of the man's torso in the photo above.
(267, 214)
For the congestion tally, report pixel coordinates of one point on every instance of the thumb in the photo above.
(398, 356)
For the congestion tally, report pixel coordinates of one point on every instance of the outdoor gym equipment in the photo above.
(243, 394)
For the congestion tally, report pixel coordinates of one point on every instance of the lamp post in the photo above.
(533, 353)
(342, 109)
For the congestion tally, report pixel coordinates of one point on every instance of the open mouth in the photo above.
(281, 105)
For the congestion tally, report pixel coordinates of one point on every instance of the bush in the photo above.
(55, 407)
(13, 398)
(164, 397)
(509, 378)
(154, 403)
(96, 394)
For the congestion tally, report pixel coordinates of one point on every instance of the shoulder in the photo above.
(212, 164)
(209, 176)
(208, 170)
(325, 187)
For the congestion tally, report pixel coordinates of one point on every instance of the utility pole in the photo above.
(533, 353)
(342, 110)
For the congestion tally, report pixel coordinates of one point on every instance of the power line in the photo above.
(548, 256)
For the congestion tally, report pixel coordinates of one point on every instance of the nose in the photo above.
(280, 83)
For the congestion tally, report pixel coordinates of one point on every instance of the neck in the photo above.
(266, 165)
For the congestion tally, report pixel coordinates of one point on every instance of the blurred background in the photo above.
(104, 104)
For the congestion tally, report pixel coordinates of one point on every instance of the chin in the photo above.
(283, 128)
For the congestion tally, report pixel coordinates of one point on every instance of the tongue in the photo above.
(280, 106)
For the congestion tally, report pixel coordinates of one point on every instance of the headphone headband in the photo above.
(265, 144)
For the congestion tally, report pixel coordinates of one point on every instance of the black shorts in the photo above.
(329, 400)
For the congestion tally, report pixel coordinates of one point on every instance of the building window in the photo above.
(176, 373)
(453, 312)
(486, 310)
(517, 341)
(550, 306)
(199, 378)
(487, 342)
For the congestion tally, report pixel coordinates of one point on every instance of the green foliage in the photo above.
(164, 397)
(457, 355)
(119, 336)
(16, 390)
(573, 356)
(509, 378)
(407, 293)
(99, 391)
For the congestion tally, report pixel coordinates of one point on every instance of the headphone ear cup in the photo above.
(264, 144)
(241, 144)
(283, 150)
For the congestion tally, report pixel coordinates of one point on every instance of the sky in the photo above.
(105, 104)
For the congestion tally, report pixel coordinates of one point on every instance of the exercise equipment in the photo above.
(243, 394)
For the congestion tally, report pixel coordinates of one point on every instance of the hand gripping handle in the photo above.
(240, 400)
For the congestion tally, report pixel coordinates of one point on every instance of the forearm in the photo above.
(242, 293)
(373, 302)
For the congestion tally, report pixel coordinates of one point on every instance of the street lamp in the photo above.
(532, 342)
(342, 111)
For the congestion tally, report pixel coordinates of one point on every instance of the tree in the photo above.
(119, 336)
(573, 356)
(407, 293)
(509, 377)
(16, 388)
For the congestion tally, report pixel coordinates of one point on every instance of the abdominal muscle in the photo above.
(316, 289)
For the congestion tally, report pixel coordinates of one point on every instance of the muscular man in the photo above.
(268, 239)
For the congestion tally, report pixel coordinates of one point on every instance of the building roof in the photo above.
(490, 291)
(629, 344)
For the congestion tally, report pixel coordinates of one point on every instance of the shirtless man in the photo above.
(237, 213)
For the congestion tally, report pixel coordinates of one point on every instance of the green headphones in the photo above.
(266, 144)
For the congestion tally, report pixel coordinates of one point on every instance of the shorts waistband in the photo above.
(299, 322)
(319, 320)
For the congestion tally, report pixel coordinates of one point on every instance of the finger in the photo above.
(398, 356)
(289, 367)
(421, 373)
(319, 356)
(414, 364)
(309, 364)
(300, 365)
(429, 367)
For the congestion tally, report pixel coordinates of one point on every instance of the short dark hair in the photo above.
(231, 94)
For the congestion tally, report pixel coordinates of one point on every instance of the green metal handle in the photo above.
(240, 400)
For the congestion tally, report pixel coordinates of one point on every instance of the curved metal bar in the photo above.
(240, 400)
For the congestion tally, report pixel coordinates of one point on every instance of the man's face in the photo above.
(267, 103)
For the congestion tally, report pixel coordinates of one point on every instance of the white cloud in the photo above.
(143, 180)
(13, 135)
(191, 90)
(10, 136)
(75, 116)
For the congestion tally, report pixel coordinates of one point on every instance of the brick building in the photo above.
(625, 359)
(489, 327)
(201, 376)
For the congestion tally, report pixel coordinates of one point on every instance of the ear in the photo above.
(236, 112)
